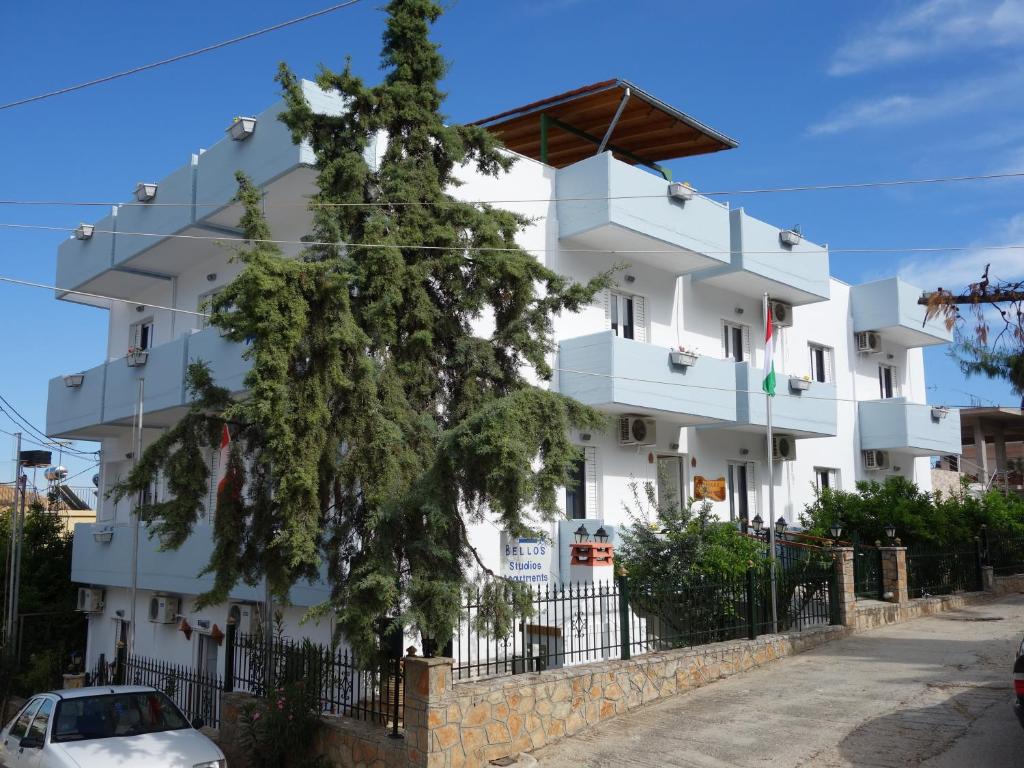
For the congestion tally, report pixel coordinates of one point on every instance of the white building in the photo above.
(851, 400)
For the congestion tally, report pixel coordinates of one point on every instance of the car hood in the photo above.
(166, 749)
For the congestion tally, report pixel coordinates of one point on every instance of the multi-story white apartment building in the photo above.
(851, 400)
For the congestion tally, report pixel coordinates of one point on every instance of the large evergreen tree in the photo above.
(380, 423)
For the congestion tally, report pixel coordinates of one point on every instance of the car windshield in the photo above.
(115, 714)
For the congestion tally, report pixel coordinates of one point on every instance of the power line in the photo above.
(38, 444)
(32, 284)
(177, 58)
(23, 422)
(385, 204)
(610, 251)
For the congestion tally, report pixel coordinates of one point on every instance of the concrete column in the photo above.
(988, 578)
(1001, 462)
(981, 451)
(844, 576)
(894, 574)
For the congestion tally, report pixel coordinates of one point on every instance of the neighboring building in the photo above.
(698, 273)
(992, 453)
(73, 505)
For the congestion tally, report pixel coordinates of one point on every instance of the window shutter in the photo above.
(747, 354)
(829, 375)
(752, 489)
(639, 318)
(211, 501)
(590, 480)
(606, 304)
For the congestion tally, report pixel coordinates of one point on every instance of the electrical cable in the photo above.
(610, 251)
(26, 424)
(712, 193)
(178, 57)
(32, 284)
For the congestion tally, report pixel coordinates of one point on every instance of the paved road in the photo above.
(933, 693)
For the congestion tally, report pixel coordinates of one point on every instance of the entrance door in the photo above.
(742, 493)
(671, 483)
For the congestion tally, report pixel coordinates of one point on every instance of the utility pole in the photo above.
(136, 457)
(12, 607)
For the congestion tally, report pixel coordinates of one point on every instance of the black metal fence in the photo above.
(196, 693)
(867, 572)
(1005, 555)
(943, 570)
(578, 623)
(345, 687)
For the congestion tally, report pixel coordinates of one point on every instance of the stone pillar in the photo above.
(844, 578)
(427, 684)
(981, 452)
(988, 578)
(894, 574)
(1001, 461)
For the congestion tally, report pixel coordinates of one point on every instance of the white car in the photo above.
(105, 727)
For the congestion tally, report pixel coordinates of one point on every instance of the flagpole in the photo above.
(770, 333)
(136, 458)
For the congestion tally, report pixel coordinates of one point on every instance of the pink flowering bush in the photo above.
(278, 730)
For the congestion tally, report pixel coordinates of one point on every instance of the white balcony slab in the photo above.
(890, 307)
(912, 428)
(810, 413)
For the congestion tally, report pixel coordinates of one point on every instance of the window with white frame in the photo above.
(742, 486)
(626, 315)
(581, 490)
(672, 482)
(821, 364)
(140, 335)
(735, 341)
(888, 382)
(826, 477)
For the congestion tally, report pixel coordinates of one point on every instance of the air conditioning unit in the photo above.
(875, 460)
(90, 599)
(869, 341)
(782, 314)
(246, 617)
(164, 609)
(783, 448)
(636, 430)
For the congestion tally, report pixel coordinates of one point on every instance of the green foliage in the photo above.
(668, 546)
(936, 518)
(379, 422)
(978, 359)
(279, 731)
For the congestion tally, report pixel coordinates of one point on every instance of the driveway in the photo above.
(934, 693)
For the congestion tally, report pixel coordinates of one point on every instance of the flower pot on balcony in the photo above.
(799, 385)
(683, 359)
(242, 128)
(790, 237)
(137, 359)
(939, 412)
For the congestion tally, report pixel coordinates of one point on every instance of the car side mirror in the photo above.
(198, 723)
(31, 742)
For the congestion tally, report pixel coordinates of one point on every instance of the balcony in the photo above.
(890, 307)
(910, 428)
(761, 263)
(108, 397)
(107, 563)
(631, 211)
(625, 376)
(810, 413)
(119, 261)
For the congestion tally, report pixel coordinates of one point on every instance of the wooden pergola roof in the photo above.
(647, 130)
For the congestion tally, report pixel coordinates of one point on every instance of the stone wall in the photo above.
(472, 723)
(1008, 585)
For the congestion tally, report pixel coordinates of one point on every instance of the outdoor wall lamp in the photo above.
(145, 191)
(890, 531)
(780, 526)
(73, 380)
(581, 534)
(601, 535)
(84, 231)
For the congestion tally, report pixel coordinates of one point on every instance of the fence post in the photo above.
(396, 686)
(120, 671)
(881, 571)
(623, 616)
(979, 562)
(986, 555)
(229, 656)
(751, 622)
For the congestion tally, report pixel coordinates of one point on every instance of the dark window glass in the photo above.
(576, 492)
(819, 363)
(20, 727)
(117, 714)
(38, 728)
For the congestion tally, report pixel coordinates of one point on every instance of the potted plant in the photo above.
(791, 236)
(682, 356)
(136, 357)
(799, 384)
(939, 412)
(242, 128)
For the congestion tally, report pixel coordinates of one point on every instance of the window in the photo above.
(736, 342)
(826, 477)
(671, 482)
(20, 727)
(821, 364)
(626, 315)
(581, 492)
(203, 305)
(888, 384)
(141, 335)
(742, 492)
(37, 730)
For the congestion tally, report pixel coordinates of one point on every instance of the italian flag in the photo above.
(768, 385)
(222, 460)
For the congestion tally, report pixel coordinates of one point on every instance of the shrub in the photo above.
(278, 730)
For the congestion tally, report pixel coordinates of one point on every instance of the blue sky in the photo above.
(814, 93)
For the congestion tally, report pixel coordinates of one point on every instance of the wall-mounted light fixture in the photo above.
(73, 380)
(744, 451)
(585, 437)
(242, 128)
(630, 278)
(84, 231)
(140, 308)
(739, 310)
(145, 191)
(211, 277)
(674, 446)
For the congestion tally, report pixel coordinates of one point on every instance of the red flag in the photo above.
(222, 459)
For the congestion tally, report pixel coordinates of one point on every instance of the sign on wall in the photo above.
(708, 488)
(526, 559)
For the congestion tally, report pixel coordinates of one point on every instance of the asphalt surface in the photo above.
(934, 693)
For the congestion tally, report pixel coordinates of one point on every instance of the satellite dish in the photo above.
(96, 479)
